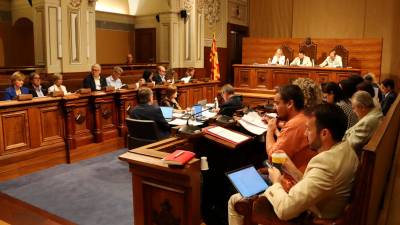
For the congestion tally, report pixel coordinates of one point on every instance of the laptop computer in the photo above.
(202, 102)
(167, 112)
(247, 181)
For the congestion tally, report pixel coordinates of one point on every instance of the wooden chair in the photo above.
(342, 52)
(141, 132)
(309, 50)
(376, 160)
(287, 52)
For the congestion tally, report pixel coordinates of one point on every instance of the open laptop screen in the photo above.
(247, 181)
(167, 112)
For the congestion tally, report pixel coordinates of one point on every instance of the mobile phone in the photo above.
(267, 164)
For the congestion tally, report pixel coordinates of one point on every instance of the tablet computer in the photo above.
(247, 181)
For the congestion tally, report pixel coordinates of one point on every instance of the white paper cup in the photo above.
(204, 163)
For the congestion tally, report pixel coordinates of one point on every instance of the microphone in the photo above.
(191, 129)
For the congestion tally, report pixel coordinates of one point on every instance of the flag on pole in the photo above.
(214, 60)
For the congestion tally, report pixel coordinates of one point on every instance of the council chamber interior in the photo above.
(206, 112)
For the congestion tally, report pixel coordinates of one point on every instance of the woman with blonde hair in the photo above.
(278, 58)
(312, 91)
(16, 88)
(57, 86)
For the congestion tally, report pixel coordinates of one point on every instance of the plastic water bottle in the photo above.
(216, 103)
(287, 62)
(312, 62)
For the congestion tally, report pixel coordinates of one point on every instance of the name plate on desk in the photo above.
(24, 97)
(84, 91)
(109, 89)
(56, 94)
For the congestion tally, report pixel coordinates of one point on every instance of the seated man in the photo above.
(325, 187)
(159, 77)
(332, 60)
(232, 102)
(145, 110)
(289, 103)
(389, 95)
(369, 117)
(188, 75)
(94, 80)
(35, 87)
(113, 80)
(301, 60)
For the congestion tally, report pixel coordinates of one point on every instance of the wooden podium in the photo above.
(163, 195)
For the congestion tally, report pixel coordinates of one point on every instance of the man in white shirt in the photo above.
(113, 80)
(188, 75)
(301, 60)
(332, 60)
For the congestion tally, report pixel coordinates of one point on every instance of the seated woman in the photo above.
(147, 76)
(333, 94)
(58, 79)
(311, 91)
(170, 98)
(278, 58)
(17, 80)
(188, 75)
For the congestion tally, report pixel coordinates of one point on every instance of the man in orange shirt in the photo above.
(289, 104)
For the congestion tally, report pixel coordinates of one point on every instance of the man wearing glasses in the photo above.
(36, 89)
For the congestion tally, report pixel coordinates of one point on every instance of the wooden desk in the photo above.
(263, 77)
(161, 193)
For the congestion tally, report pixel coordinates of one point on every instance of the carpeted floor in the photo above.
(91, 192)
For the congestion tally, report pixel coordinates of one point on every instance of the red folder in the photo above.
(178, 157)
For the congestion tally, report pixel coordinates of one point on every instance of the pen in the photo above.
(178, 154)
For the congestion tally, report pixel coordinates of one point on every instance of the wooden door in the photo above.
(145, 45)
(236, 34)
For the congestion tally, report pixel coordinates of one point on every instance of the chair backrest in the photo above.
(309, 50)
(344, 53)
(287, 52)
(376, 164)
(141, 132)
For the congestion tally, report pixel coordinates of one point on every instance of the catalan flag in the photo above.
(214, 60)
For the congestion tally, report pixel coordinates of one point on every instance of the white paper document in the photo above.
(228, 134)
(179, 122)
(253, 123)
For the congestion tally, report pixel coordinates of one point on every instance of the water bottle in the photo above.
(287, 62)
(269, 61)
(216, 103)
(312, 62)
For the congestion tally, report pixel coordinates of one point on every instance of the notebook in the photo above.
(178, 157)
(247, 181)
(167, 112)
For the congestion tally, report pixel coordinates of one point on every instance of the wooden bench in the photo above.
(371, 183)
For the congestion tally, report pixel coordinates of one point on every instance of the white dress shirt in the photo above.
(337, 62)
(38, 91)
(115, 83)
(56, 88)
(280, 60)
(298, 62)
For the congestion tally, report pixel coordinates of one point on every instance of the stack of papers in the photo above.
(253, 123)
(226, 134)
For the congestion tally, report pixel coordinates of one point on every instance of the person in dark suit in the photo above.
(232, 102)
(389, 96)
(145, 110)
(159, 77)
(17, 81)
(35, 87)
(94, 81)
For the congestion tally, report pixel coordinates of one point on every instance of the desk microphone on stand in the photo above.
(191, 129)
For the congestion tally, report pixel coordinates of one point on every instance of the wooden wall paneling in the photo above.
(109, 118)
(145, 45)
(261, 78)
(209, 93)
(15, 131)
(126, 101)
(364, 54)
(52, 124)
(197, 95)
(183, 97)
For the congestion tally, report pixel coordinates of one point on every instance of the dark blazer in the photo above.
(88, 82)
(229, 107)
(33, 92)
(388, 101)
(10, 92)
(150, 112)
(157, 78)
